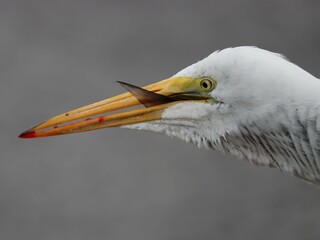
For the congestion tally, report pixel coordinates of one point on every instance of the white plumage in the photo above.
(246, 101)
(266, 110)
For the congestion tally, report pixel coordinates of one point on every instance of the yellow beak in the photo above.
(156, 97)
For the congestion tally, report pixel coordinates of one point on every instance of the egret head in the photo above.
(203, 101)
(246, 101)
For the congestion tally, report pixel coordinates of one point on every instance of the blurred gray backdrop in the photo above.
(124, 184)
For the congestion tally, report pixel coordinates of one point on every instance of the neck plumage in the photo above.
(288, 140)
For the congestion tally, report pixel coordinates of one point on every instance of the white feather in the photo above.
(267, 111)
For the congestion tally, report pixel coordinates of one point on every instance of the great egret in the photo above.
(246, 101)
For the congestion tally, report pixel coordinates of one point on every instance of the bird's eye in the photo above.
(207, 84)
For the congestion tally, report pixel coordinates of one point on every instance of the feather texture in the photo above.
(267, 110)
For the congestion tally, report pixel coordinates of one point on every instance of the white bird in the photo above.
(246, 101)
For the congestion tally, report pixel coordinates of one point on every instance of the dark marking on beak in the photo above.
(145, 97)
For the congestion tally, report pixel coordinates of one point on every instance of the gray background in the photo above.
(124, 184)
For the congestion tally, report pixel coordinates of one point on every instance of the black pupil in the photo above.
(204, 84)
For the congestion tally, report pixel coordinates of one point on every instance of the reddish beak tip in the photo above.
(28, 134)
